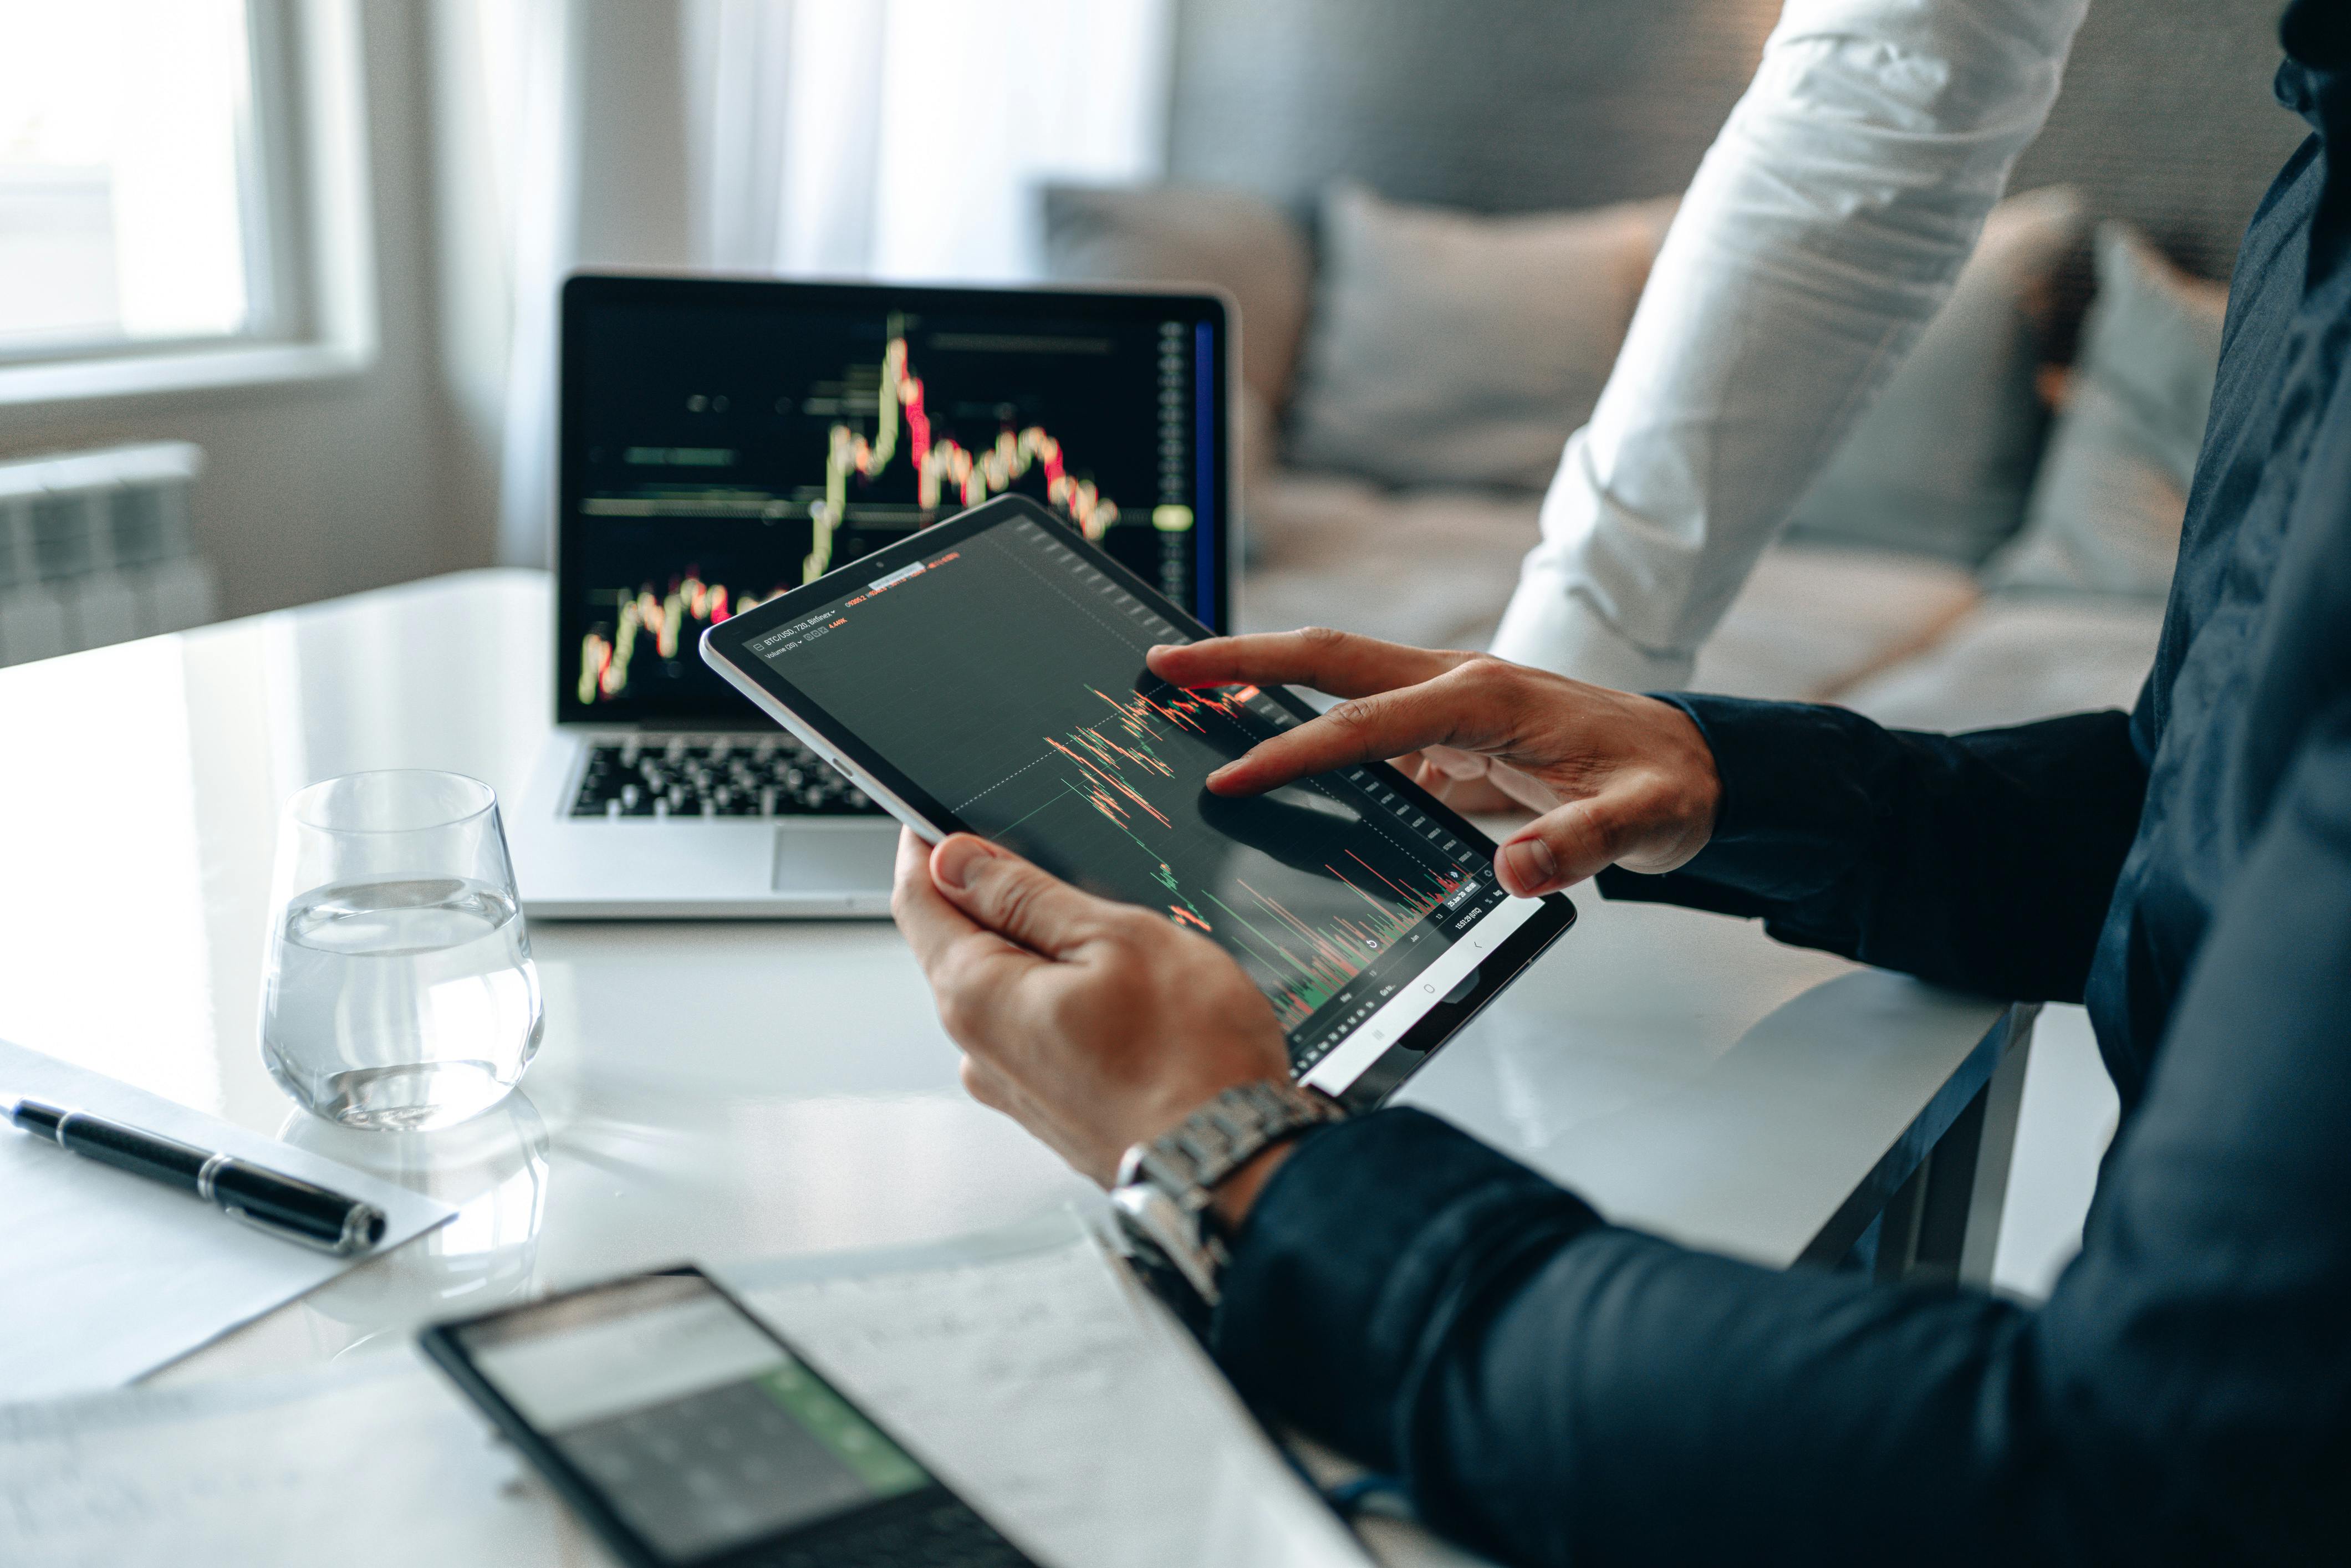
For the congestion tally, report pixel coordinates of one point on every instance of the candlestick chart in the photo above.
(759, 438)
(663, 618)
(944, 468)
(1115, 766)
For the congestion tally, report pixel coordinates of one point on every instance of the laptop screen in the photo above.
(724, 441)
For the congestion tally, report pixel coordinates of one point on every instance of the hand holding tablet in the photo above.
(1095, 1025)
(989, 676)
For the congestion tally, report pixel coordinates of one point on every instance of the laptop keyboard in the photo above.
(715, 775)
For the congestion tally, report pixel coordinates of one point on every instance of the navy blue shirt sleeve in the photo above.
(1983, 862)
(1557, 1390)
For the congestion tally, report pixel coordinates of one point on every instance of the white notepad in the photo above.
(118, 1275)
(1041, 1383)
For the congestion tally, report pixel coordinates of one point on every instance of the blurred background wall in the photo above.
(323, 484)
(2165, 117)
(505, 141)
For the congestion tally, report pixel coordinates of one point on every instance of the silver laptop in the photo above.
(723, 441)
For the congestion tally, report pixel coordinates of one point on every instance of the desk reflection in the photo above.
(493, 1168)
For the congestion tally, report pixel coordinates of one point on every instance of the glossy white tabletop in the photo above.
(731, 1090)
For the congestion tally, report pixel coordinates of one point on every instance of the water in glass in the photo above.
(442, 965)
(401, 991)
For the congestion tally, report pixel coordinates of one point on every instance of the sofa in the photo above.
(1991, 546)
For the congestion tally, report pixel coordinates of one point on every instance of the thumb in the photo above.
(1557, 850)
(1017, 900)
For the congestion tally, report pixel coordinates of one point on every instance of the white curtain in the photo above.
(899, 138)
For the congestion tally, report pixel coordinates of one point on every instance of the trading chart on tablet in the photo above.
(1044, 731)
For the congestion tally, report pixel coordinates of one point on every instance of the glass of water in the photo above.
(400, 991)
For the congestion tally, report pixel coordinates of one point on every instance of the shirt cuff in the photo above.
(1370, 1233)
(1549, 626)
(1800, 805)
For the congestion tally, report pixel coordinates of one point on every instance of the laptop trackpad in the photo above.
(812, 858)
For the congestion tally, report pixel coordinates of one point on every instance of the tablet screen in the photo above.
(1001, 674)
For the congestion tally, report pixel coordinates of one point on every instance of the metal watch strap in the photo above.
(1223, 1136)
(1164, 1187)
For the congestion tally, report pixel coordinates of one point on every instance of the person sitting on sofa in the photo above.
(1554, 1388)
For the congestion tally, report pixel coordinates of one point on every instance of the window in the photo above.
(153, 231)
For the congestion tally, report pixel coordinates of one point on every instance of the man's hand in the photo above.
(1095, 1025)
(1101, 1025)
(1619, 780)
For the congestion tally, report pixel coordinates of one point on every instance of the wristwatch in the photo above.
(1164, 1186)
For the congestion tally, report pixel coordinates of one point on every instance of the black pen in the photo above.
(282, 1204)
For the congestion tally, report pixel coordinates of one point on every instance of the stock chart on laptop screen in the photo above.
(725, 442)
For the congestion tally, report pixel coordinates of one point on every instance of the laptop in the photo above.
(723, 441)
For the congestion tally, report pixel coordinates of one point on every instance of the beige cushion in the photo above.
(2108, 505)
(1943, 461)
(2020, 659)
(1451, 349)
(1174, 235)
(1434, 568)
(1811, 620)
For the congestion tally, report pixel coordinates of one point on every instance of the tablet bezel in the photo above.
(725, 648)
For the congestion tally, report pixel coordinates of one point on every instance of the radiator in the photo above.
(95, 549)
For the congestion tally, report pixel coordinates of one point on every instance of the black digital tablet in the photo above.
(987, 675)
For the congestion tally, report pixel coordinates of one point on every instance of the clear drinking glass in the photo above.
(399, 990)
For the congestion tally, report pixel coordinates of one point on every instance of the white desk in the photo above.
(733, 1089)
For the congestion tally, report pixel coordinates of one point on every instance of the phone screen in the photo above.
(701, 1431)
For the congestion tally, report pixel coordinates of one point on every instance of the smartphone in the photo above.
(686, 1433)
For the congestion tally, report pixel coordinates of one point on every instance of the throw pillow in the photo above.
(1942, 462)
(1170, 235)
(2106, 512)
(1452, 348)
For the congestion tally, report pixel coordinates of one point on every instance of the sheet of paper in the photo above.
(118, 1275)
(1043, 1383)
(1019, 1365)
(377, 1466)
